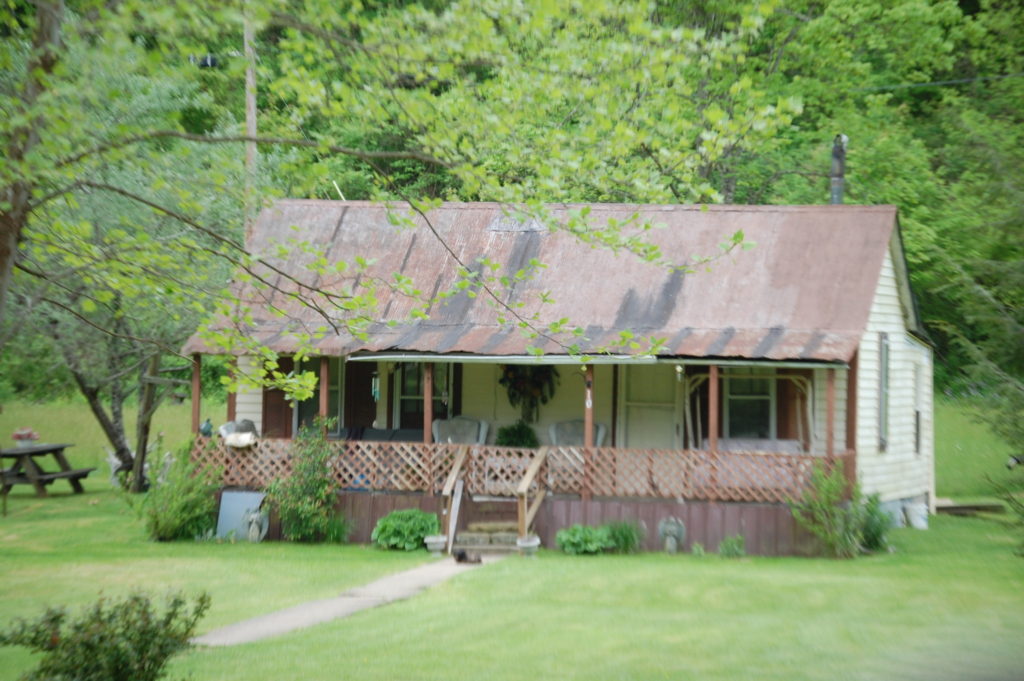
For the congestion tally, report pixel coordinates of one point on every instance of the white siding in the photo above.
(249, 399)
(898, 472)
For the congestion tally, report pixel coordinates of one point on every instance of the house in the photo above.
(804, 347)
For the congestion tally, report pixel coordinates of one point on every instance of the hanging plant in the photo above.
(529, 387)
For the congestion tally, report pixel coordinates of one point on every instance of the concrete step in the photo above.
(486, 549)
(491, 526)
(486, 538)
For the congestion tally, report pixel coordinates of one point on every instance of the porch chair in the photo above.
(571, 433)
(460, 430)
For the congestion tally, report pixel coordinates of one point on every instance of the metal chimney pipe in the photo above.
(838, 173)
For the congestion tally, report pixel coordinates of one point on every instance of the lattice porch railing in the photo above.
(497, 471)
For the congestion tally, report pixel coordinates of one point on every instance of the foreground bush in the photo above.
(183, 505)
(405, 529)
(126, 640)
(306, 499)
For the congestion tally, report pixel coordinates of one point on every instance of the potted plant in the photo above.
(528, 545)
(436, 543)
(519, 434)
(25, 437)
(528, 387)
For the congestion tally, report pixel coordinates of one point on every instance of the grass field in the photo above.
(945, 605)
(966, 452)
(71, 421)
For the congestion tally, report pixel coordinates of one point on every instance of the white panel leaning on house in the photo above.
(249, 399)
(895, 448)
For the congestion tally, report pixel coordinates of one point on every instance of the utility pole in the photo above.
(250, 123)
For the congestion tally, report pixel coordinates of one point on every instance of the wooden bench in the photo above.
(47, 478)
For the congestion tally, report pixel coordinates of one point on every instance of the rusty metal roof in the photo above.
(803, 292)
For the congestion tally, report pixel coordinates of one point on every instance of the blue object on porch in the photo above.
(359, 483)
(239, 510)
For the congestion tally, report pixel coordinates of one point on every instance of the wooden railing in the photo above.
(526, 512)
(452, 491)
(502, 471)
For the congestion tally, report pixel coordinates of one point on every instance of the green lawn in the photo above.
(68, 549)
(946, 604)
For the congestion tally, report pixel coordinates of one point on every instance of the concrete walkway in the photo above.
(396, 587)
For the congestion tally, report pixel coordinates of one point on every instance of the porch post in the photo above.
(324, 387)
(588, 431)
(830, 413)
(428, 402)
(196, 390)
(851, 422)
(713, 407)
(588, 407)
(233, 394)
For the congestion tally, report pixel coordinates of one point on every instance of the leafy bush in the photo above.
(124, 640)
(405, 529)
(183, 506)
(625, 536)
(875, 524)
(697, 549)
(583, 539)
(519, 434)
(306, 499)
(732, 547)
(844, 527)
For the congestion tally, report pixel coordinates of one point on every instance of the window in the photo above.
(409, 395)
(307, 410)
(917, 408)
(883, 391)
(749, 398)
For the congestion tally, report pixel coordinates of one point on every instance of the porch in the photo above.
(552, 486)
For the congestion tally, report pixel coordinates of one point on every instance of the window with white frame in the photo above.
(409, 395)
(749, 403)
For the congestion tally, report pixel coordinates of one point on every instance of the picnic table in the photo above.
(27, 468)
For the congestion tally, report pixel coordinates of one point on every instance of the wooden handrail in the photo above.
(525, 516)
(453, 475)
(531, 472)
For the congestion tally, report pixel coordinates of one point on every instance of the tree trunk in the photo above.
(112, 428)
(17, 196)
(147, 407)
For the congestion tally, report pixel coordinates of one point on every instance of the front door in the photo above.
(360, 407)
(650, 407)
(277, 410)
